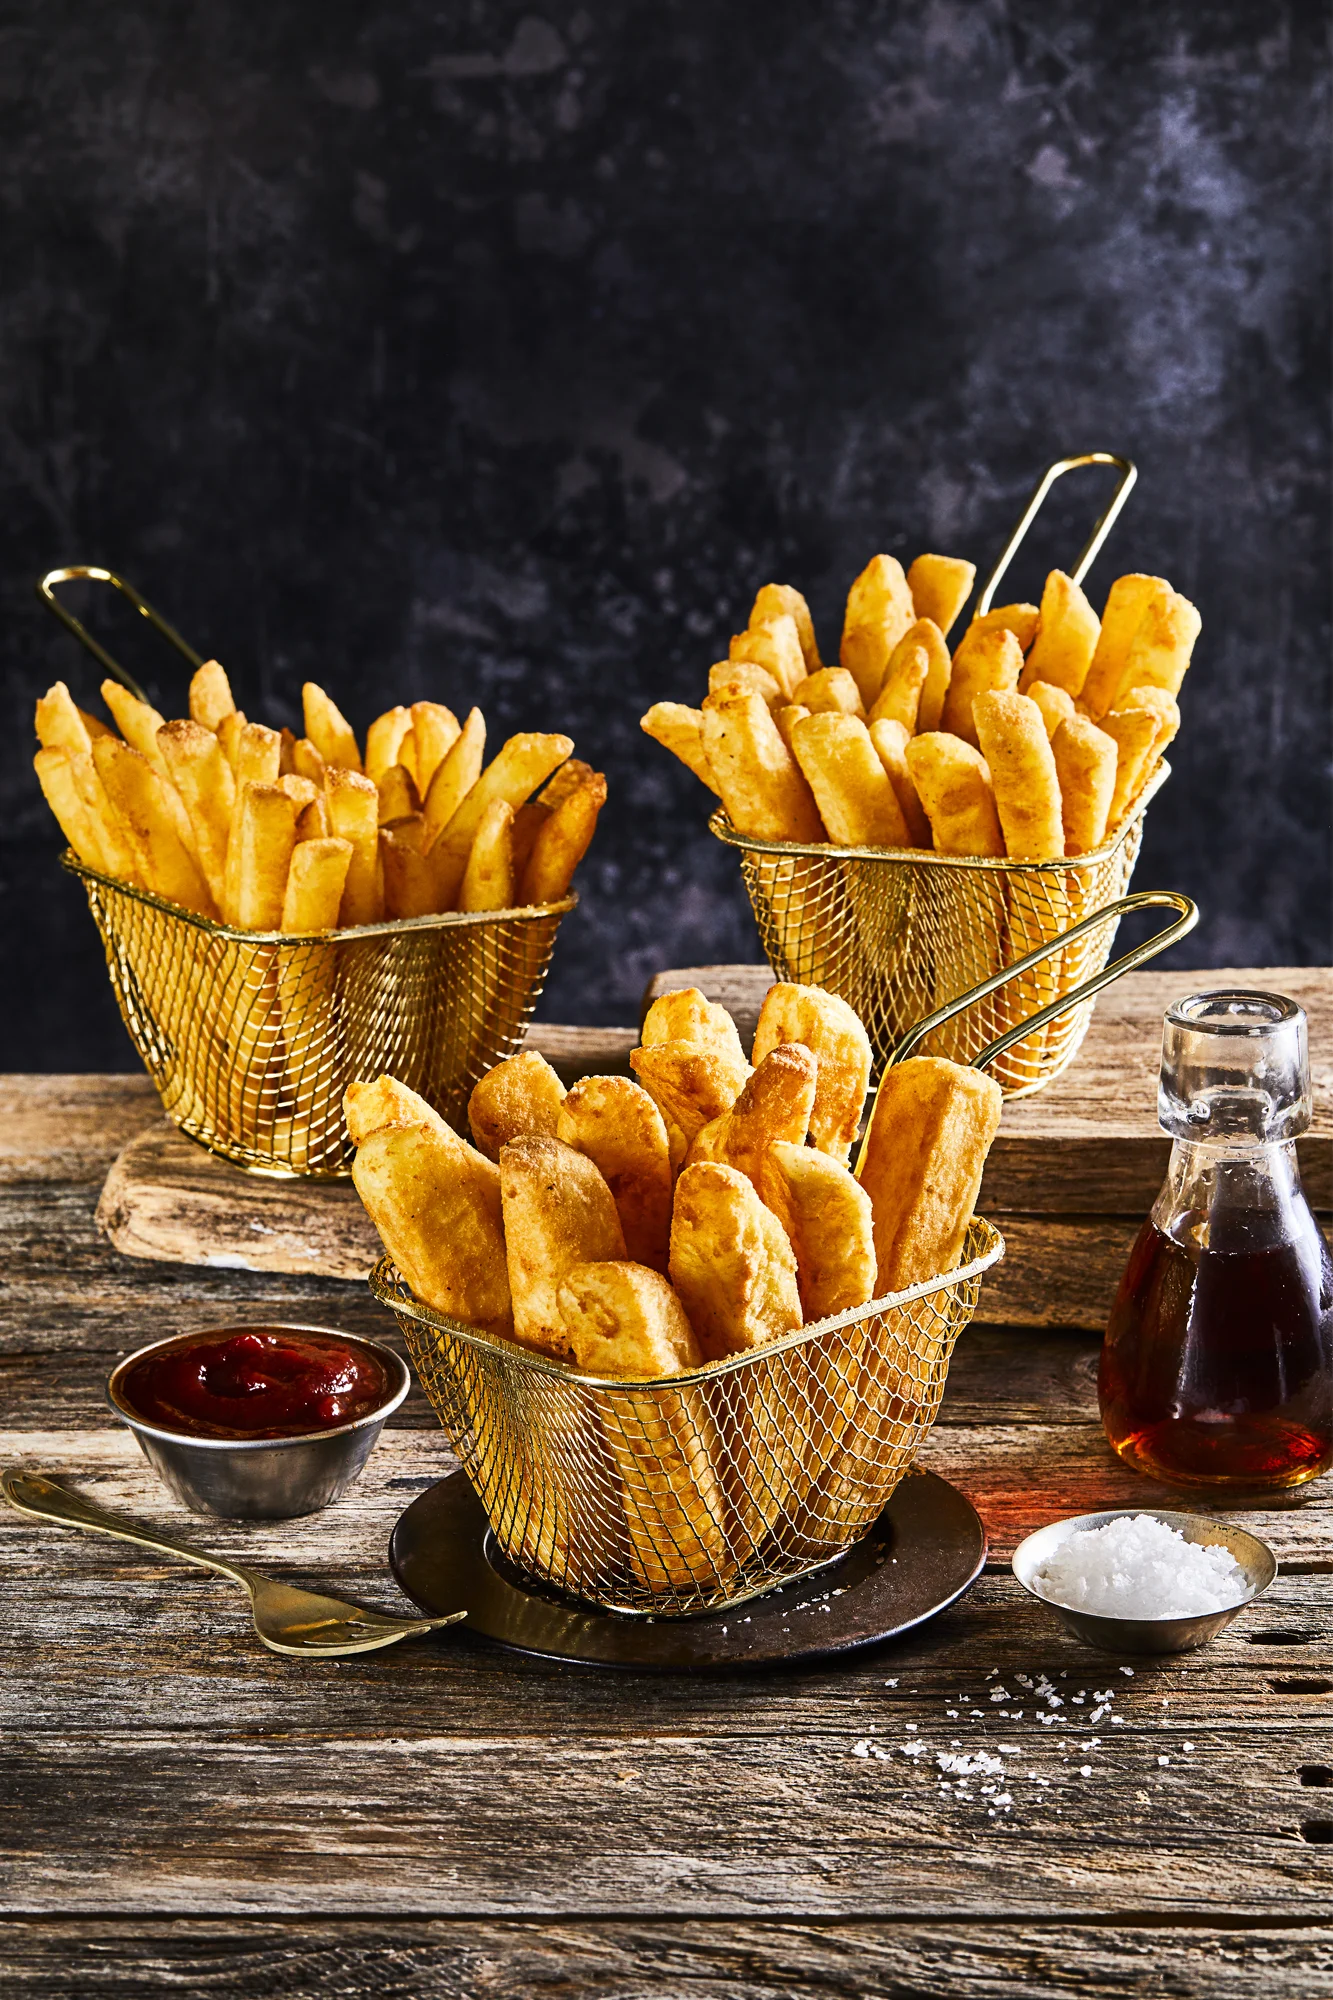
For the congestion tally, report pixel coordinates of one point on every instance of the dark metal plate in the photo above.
(925, 1550)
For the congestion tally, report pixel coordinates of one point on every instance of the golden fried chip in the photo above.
(488, 879)
(259, 853)
(203, 778)
(370, 1107)
(328, 729)
(831, 691)
(776, 600)
(744, 677)
(519, 1099)
(1012, 737)
(905, 677)
(825, 1024)
(455, 775)
(354, 815)
(940, 587)
(680, 730)
(398, 794)
(315, 882)
(776, 1103)
(1122, 615)
(616, 1123)
(954, 785)
(891, 740)
(409, 879)
(61, 724)
(1085, 764)
(688, 1015)
(1061, 653)
(988, 657)
(829, 1222)
(1135, 731)
(1160, 650)
(1055, 705)
(939, 672)
(775, 646)
(210, 696)
(562, 840)
(731, 1264)
(138, 721)
(384, 741)
(930, 1132)
(437, 1207)
(879, 611)
(690, 1082)
(756, 775)
(558, 1213)
(522, 764)
(149, 811)
(625, 1323)
(856, 799)
(1020, 619)
(55, 768)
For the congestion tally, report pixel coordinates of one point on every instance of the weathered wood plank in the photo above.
(728, 1959)
(70, 1128)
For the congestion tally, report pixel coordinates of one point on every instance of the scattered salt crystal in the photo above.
(1129, 1671)
(1138, 1567)
(1187, 1747)
(1164, 1760)
(890, 1684)
(1085, 1770)
(999, 1694)
(910, 1727)
(966, 1766)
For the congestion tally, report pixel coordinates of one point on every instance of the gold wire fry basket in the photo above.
(695, 1492)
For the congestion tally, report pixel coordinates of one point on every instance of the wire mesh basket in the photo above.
(697, 1491)
(252, 1037)
(900, 933)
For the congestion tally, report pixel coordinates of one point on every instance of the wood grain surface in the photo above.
(187, 1811)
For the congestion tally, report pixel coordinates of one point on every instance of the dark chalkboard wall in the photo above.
(491, 355)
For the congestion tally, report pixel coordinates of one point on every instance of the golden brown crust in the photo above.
(833, 1031)
(558, 1212)
(932, 1128)
(622, 1131)
(731, 1263)
(520, 1098)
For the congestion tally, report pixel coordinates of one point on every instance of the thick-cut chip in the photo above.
(354, 815)
(955, 790)
(778, 599)
(688, 1015)
(832, 691)
(259, 853)
(307, 761)
(758, 778)
(313, 820)
(562, 841)
(1055, 705)
(856, 799)
(138, 721)
(1085, 764)
(891, 740)
(1159, 653)
(558, 1213)
(315, 880)
(229, 736)
(988, 657)
(731, 1263)
(60, 722)
(930, 1132)
(1066, 640)
(1122, 614)
(1020, 619)
(529, 820)
(1012, 738)
(1135, 731)
(939, 672)
(572, 774)
(371, 1107)
(690, 1082)
(899, 698)
(826, 1025)
(398, 794)
(616, 1123)
(625, 1322)
(287, 756)
(454, 778)
(519, 1099)
(940, 587)
(775, 646)
(210, 696)
(435, 730)
(258, 755)
(437, 1207)
(680, 730)
(488, 879)
(775, 1104)
(328, 729)
(829, 1222)
(787, 718)
(149, 810)
(524, 762)
(384, 741)
(409, 879)
(203, 778)
(879, 611)
(744, 677)
(56, 774)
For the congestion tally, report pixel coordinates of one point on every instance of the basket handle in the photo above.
(1102, 528)
(90, 573)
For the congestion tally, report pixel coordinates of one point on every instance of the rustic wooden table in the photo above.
(185, 1810)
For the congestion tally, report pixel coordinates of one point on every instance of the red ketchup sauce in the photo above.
(260, 1382)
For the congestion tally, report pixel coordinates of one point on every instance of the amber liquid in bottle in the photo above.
(1217, 1368)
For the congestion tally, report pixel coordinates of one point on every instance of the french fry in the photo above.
(1055, 705)
(930, 1132)
(488, 878)
(314, 887)
(688, 1015)
(437, 1207)
(988, 657)
(409, 880)
(1135, 732)
(524, 763)
(778, 599)
(879, 611)
(1085, 765)
(258, 755)
(398, 794)
(833, 1032)
(731, 1263)
(831, 691)
(787, 718)
(138, 721)
(119, 855)
(561, 843)
(1062, 651)
(758, 779)
(680, 730)
(530, 818)
(899, 698)
(263, 834)
(568, 778)
(519, 1099)
(616, 1123)
(61, 724)
(307, 761)
(829, 1222)
(856, 800)
(940, 587)
(55, 768)
(435, 730)
(203, 778)
(955, 790)
(1159, 653)
(743, 677)
(229, 736)
(148, 809)
(384, 741)
(455, 775)
(312, 821)
(775, 646)
(353, 804)
(328, 729)
(210, 696)
(1127, 601)
(939, 672)
(1020, 619)
(558, 1213)
(891, 740)
(776, 1103)
(625, 1323)
(690, 1082)
(374, 1106)
(1012, 738)
(287, 757)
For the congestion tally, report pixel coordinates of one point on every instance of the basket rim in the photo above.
(719, 825)
(981, 1233)
(387, 927)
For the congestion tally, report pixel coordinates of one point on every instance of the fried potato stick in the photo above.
(940, 587)
(879, 611)
(829, 1222)
(61, 724)
(149, 811)
(776, 600)
(138, 721)
(307, 761)
(437, 1207)
(210, 696)
(1013, 740)
(775, 646)
(1085, 764)
(1055, 705)
(1159, 653)
(1127, 601)
(558, 1213)
(384, 741)
(688, 1015)
(398, 794)
(455, 776)
(731, 1264)
(899, 698)
(931, 1130)
(314, 888)
(756, 775)
(371, 1107)
(787, 718)
(435, 730)
(203, 778)
(55, 766)
(617, 1125)
(856, 799)
(690, 1082)
(519, 1099)
(488, 879)
(229, 736)
(833, 1031)
(522, 764)
(776, 1103)
(1020, 619)
(955, 790)
(353, 804)
(409, 879)
(831, 691)
(988, 657)
(328, 729)
(680, 730)
(562, 841)
(1135, 732)
(1066, 640)
(626, 1323)
(743, 677)
(258, 755)
(259, 854)
(891, 740)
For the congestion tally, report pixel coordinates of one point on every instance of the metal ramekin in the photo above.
(261, 1479)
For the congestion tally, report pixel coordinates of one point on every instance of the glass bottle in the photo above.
(1217, 1366)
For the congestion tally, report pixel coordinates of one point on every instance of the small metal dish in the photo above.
(261, 1479)
(1148, 1635)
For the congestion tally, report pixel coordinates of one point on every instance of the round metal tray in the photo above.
(925, 1550)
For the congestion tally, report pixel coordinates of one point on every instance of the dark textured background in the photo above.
(499, 356)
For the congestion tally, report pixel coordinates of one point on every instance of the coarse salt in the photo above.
(1138, 1567)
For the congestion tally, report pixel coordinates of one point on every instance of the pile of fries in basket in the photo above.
(268, 831)
(1034, 741)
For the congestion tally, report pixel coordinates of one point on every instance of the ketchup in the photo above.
(261, 1382)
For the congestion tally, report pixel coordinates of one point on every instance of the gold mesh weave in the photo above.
(696, 1491)
(252, 1037)
(899, 934)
